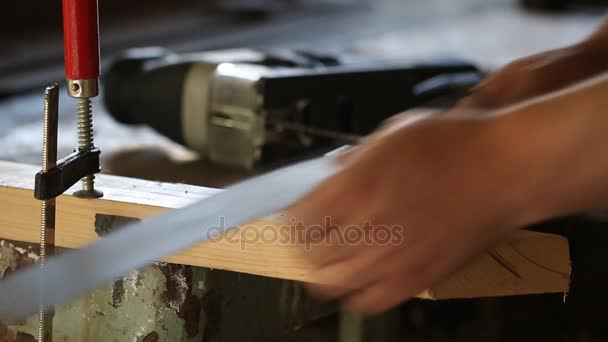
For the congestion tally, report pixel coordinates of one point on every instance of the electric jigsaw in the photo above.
(233, 106)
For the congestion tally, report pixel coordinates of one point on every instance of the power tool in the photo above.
(233, 106)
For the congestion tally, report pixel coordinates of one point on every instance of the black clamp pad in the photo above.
(68, 171)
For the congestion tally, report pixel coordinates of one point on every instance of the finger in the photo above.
(381, 296)
(373, 264)
(349, 235)
(349, 239)
(400, 285)
(387, 127)
(347, 155)
(334, 247)
(401, 276)
(423, 268)
(339, 205)
(406, 118)
(320, 202)
(351, 273)
(360, 259)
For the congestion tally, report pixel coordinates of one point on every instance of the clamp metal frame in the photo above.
(69, 170)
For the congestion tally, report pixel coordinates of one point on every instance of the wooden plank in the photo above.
(524, 252)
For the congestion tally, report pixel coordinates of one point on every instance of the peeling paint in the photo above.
(30, 255)
(177, 287)
(25, 337)
(151, 337)
(18, 249)
(179, 297)
(15, 257)
(10, 335)
(133, 280)
(118, 293)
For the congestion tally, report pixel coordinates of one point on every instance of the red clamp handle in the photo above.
(81, 39)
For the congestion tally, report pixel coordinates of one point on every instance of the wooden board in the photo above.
(541, 261)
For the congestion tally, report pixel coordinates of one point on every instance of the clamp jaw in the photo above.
(68, 171)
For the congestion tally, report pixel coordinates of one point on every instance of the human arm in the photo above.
(542, 73)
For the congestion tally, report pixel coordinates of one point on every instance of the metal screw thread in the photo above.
(45, 130)
(43, 317)
(47, 222)
(85, 135)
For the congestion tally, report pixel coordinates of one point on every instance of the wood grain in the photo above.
(525, 263)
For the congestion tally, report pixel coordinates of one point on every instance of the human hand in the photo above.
(541, 73)
(456, 183)
(454, 186)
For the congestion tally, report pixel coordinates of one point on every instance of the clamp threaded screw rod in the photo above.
(85, 138)
(47, 224)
